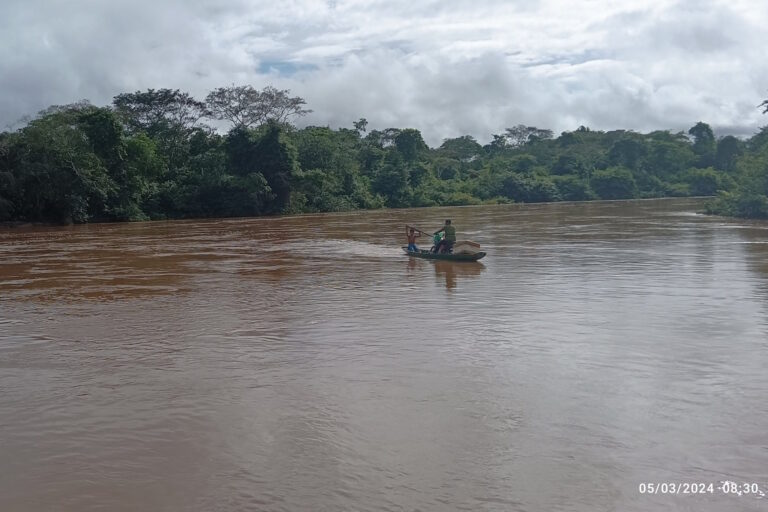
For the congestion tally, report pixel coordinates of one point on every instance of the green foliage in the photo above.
(446, 168)
(334, 152)
(567, 139)
(521, 135)
(245, 107)
(746, 204)
(650, 186)
(628, 152)
(57, 173)
(523, 164)
(526, 189)
(614, 183)
(227, 196)
(361, 126)
(706, 182)
(277, 162)
(239, 147)
(729, 149)
(267, 152)
(703, 143)
(753, 206)
(133, 175)
(410, 144)
(316, 192)
(668, 157)
(391, 180)
(570, 164)
(150, 156)
(159, 111)
(573, 188)
(459, 199)
(317, 148)
(7, 188)
(488, 184)
(333, 181)
(461, 148)
(105, 133)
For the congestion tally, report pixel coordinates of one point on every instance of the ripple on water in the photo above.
(304, 363)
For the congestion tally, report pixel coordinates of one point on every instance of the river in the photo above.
(304, 363)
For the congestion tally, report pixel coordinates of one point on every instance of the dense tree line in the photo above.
(749, 198)
(153, 155)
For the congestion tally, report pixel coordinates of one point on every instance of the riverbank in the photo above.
(742, 204)
(167, 171)
(22, 224)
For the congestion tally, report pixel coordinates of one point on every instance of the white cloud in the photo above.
(445, 67)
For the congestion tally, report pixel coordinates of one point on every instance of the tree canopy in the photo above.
(246, 107)
(152, 155)
(746, 165)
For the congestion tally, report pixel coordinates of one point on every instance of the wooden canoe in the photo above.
(424, 253)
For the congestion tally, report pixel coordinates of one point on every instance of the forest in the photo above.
(163, 154)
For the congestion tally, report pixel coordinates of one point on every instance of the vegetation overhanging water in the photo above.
(150, 156)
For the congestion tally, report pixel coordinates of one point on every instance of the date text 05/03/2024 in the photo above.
(726, 487)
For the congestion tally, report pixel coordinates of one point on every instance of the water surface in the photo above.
(305, 363)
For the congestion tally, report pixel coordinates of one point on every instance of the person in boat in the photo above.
(446, 244)
(436, 242)
(412, 236)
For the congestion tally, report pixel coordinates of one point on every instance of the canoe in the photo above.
(424, 253)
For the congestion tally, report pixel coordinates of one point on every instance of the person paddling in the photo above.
(412, 236)
(448, 240)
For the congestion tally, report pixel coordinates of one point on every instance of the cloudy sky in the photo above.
(445, 67)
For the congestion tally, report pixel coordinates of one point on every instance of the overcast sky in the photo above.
(445, 67)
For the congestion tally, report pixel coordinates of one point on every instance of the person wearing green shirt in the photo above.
(436, 242)
(446, 244)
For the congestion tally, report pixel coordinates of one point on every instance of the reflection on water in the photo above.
(305, 363)
(447, 272)
(451, 270)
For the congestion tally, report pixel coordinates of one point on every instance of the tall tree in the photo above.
(267, 152)
(729, 148)
(360, 125)
(8, 191)
(59, 175)
(614, 183)
(628, 151)
(104, 132)
(392, 180)
(168, 116)
(246, 107)
(410, 144)
(461, 148)
(520, 135)
(497, 145)
(277, 162)
(703, 143)
(154, 111)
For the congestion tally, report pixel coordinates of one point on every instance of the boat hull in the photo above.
(427, 255)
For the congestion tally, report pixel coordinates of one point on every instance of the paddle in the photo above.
(420, 231)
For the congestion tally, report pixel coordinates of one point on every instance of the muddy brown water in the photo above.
(305, 363)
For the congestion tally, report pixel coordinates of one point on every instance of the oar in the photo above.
(420, 231)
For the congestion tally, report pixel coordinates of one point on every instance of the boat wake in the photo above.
(341, 249)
